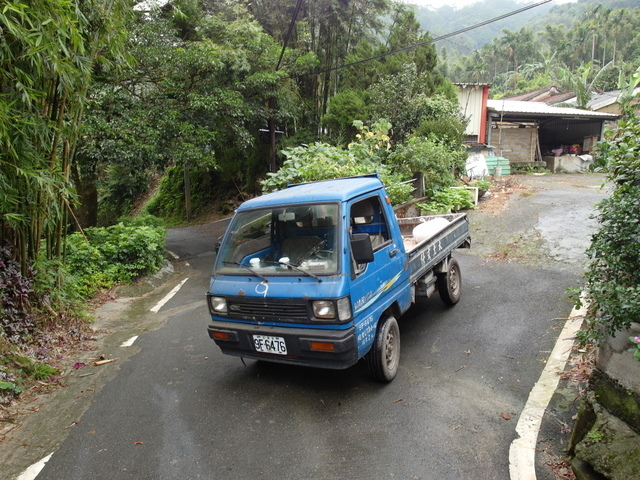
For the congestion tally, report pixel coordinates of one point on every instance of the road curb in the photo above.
(522, 452)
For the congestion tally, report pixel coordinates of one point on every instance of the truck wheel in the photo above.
(450, 284)
(384, 356)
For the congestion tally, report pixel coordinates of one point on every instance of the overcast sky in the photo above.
(440, 3)
(462, 3)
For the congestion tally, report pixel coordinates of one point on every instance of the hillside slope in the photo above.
(447, 19)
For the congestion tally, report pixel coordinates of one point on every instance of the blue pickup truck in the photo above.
(317, 274)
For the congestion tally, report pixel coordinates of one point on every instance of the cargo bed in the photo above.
(441, 239)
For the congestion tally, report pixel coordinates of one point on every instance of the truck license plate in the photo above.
(266, 344)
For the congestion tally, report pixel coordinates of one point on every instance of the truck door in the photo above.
(374, 284)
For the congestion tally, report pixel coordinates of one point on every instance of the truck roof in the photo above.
(338, 190)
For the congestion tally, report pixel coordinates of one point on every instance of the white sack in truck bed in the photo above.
(424, 231)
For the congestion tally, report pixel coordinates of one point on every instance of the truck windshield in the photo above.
(290, 240)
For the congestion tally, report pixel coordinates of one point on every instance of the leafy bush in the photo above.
(482, 184)
(613, 276)
(9, 387)
(117, 254)
(526, 168)
(441, 118)
(321, 161)
(440, 164)
(446, 201)
(15, 370)
(344, 107)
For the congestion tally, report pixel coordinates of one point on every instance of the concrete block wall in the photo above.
(518, 145)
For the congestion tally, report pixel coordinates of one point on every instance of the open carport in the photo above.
(526, 132)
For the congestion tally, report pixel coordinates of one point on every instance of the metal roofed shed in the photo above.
(527, 132)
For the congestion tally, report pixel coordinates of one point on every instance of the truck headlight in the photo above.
(325, 309)
(331, 309)
(217, 305)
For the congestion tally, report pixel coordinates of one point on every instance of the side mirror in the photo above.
(361, 248)
(218, 242)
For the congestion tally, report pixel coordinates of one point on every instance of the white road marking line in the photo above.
(522, 453)
(168, 296)
(129, 342)
(33, 471)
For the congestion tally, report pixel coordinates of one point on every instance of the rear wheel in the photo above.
(450, 283)
(384, 356)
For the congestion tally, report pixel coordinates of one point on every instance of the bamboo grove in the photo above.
(49, 50)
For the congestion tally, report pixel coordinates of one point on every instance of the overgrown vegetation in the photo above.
(613, 276)
(102, 257)
(32, 308)
(526, 168)
(16, 296)
(447, 201)
(321, 161)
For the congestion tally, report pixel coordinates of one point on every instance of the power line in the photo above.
(433, 40)
(294, 16)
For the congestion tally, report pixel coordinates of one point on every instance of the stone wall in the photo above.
(605, 442)
(613, 358)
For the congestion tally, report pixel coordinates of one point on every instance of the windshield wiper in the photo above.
(296, 267)
(248, 267)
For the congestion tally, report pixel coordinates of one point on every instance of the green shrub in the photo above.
(482, 184)
(526, 168)
(446, 201)
(440, 164)
(16, 370)
(117, 254)
(321, 161)
(613, 276)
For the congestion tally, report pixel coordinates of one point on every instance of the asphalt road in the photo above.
(175, 407)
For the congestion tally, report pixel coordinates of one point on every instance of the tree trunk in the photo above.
(418, 184)
(187, 192)
(87, 212)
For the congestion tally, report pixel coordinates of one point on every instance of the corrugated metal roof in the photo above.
(539, 109)
(601, 100)
(467, 84)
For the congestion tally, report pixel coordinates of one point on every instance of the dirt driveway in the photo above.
(544, 220)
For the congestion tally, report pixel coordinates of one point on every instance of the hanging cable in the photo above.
(433, 40)
(289, 32)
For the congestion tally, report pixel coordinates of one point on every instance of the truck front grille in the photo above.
(285, 310)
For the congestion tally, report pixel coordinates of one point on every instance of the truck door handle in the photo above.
(394, 252)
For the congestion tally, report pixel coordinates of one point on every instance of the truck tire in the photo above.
(384, 356)
(450, 283)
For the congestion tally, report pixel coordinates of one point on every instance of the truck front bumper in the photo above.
(335, 349)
